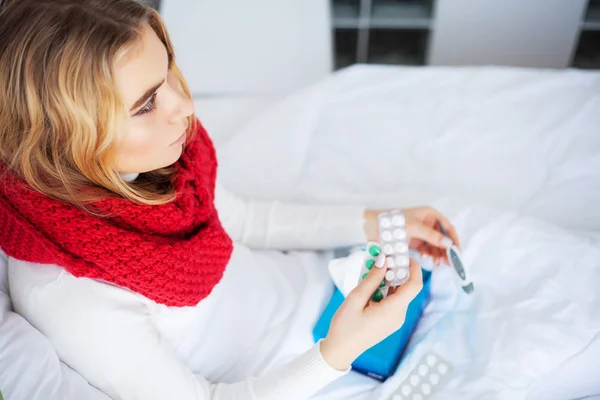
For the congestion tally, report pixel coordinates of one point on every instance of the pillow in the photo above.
(29, 366)
(514, 139)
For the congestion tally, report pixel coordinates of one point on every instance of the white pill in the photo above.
(401, 247)
(423, 370)
(417, 396)
(425, 388)
(387, 236)
(414, 380)
(398, 220)
(442, 369)
(434, 378)
(388, 249)
(431, 359)
(402, 261)
(389, 275)
(401, 274)
(385, 222)
(406, 390)
(380, 260)
(399, 234)
(391, 263)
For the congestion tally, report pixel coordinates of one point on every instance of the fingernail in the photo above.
(380, 260)
(446, 242)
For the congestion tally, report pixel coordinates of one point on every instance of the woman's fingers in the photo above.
(449, 228)
(430, 235)
(404, 294)
(441, 254)
(427, 230)
(435, 254)
(365, 289)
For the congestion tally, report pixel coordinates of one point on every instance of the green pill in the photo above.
(374, 251)
(377, 296)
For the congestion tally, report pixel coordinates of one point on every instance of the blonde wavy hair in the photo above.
(60, 106)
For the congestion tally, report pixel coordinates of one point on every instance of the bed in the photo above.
(512, 156)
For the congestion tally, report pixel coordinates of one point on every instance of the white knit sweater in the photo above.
(133, 348)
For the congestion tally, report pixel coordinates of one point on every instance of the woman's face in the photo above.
(157, 109)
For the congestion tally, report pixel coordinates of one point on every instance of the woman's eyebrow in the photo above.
(146, 96)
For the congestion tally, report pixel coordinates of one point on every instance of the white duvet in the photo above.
(536, 308)
(511, 156)
(530, 330)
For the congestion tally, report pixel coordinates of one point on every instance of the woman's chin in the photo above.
(169, 157)
(174, 154)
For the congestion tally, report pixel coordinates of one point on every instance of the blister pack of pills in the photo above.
(373, 256)
(424, 380)
(393, 250)
(394, 244)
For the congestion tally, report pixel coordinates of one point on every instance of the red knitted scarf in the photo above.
(173, 254)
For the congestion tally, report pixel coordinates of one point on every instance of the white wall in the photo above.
(250, 46)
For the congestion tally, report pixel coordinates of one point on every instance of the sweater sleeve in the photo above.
(285, 226)
(107, 335)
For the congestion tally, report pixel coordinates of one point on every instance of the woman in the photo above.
(109, 203)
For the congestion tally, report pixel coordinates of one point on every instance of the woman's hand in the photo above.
(422, 230)
(360, 324)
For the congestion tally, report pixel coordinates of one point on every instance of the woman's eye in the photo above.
(149, 106)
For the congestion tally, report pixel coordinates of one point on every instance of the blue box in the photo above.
(381, 360)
